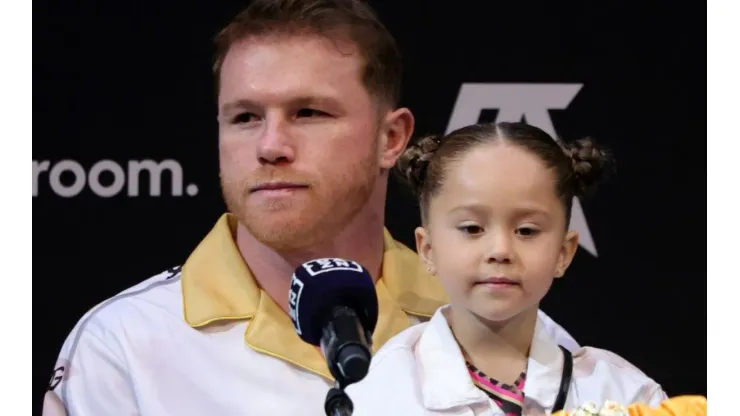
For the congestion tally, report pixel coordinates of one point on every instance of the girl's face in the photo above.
(496, 233)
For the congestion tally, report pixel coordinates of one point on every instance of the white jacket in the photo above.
(422, 371)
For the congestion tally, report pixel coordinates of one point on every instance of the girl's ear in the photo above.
(424, 248)
(567, 251)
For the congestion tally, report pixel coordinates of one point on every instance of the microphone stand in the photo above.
(337, 402)
(350, 353)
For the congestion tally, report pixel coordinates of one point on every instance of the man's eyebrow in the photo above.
(301, 101)
(237, 105)
(321, 101)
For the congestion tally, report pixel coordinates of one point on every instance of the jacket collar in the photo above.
(217, 286)
(544, 368)
(447, 384)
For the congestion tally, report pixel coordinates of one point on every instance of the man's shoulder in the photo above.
(159, 284)
(141, 303)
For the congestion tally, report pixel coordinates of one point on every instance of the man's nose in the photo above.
(274, 146)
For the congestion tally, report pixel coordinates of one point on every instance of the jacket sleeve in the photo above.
(90, 377)
(655, 396)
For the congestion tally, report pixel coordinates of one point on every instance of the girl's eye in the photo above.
(527, 231)
(471, 229)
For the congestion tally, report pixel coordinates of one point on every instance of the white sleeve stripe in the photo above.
(103, 305)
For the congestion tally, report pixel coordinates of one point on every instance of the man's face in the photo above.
(298, 138)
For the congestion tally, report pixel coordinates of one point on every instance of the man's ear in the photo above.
(396, 130)
(567, 251)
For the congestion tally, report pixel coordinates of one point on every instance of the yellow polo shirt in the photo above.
(204, 339)
(218, 286)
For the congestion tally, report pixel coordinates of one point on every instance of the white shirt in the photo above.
(422, 371)
(205, 340)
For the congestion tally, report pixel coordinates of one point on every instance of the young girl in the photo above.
(495, 206)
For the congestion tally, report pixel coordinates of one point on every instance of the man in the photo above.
(309, 128)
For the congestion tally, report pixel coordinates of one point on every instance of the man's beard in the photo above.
(310, 217)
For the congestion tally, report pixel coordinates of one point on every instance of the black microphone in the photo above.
(333, 304)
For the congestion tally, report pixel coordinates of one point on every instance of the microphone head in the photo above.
(320, 285)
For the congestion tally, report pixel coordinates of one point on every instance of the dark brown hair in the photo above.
(337, 20)
(578, 166)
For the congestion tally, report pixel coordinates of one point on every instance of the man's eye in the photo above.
(244, 118)
(309, 112)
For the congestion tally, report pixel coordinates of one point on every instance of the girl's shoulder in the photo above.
(588, 359)
(599, 369)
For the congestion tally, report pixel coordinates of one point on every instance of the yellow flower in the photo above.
(587, 409)
(613, 409)
(676, 406)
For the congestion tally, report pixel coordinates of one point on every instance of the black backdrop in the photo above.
(125, 81)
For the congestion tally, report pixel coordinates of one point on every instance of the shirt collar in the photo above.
(217, 286)
(447, 383)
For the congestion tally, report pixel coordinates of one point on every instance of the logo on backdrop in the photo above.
(514, 102)
(107, 178)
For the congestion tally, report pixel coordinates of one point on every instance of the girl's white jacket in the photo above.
(421, 371)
